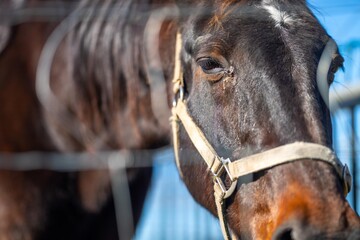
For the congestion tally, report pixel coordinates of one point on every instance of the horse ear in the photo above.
(4, 36)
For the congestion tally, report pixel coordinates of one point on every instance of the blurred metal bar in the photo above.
(122, 198)
(153, 65)
(345, 98)
(349, 98)
(354, 155)
(68, 162)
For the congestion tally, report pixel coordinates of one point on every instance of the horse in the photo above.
(245, 76)
(243, 64)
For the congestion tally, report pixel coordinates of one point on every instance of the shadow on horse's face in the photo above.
(250, 77)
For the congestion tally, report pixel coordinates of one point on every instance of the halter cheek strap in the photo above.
(218, 166)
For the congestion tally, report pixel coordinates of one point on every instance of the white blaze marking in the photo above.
(279, 17)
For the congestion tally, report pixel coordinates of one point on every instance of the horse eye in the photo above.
(210, 66)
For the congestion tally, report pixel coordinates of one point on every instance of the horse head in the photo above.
(248, 85)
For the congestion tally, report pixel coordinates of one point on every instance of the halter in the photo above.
(220, 167)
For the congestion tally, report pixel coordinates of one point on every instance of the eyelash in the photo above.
(210, 66)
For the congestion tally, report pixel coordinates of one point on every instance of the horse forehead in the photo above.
(279, 16)
(281, 12)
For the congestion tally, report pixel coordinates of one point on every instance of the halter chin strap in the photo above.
(220, 167)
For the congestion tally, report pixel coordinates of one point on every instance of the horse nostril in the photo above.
(295, 230)
(284, 234)
(354, 235)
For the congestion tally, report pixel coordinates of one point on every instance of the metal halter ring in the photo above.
(217, 178)
(346, 176)
(179, 94)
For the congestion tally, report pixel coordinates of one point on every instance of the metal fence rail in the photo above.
(347, 144)
(169, 212)
(344, 105)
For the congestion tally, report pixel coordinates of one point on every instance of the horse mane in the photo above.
(109, 87)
